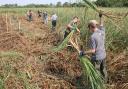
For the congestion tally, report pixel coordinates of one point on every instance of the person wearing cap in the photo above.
(54, 21)
(97, 46)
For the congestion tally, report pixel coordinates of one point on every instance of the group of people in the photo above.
(97, 39)
(96, 43)
(44, 16)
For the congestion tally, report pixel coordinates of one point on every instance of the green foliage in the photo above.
(114, 37)
(65, 42)
(11, 54)
(7, 69)
(112, 3)
(67, 39)
(115, 40)
(59, 4)
(10, 5)
(90, 4)
(36, 5)
(95, 78)
(24, 77)
(1, 84)
(103, 3)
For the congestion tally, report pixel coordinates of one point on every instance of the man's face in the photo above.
(90, 29)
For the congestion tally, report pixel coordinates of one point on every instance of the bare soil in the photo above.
(44, 68)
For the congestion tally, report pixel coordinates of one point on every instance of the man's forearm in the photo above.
(101, 21)
(70, 26)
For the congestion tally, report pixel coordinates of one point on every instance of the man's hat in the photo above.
(92, 23)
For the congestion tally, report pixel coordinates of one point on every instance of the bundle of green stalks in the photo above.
(66, 40)
(95, 79)
(64, 43)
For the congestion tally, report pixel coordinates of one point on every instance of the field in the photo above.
(27, 60)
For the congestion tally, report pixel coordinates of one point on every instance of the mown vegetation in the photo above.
(30, 75)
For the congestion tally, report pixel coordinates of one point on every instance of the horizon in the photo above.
(26, 2)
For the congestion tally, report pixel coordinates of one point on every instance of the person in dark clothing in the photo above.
(54, 21)
(70, 26)
(39, 13)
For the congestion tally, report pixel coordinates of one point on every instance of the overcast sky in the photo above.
(24, 2)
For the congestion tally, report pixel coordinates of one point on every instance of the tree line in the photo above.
(112, 3)
(102, 3)
(59, 4)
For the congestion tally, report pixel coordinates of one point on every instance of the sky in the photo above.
(24, 2)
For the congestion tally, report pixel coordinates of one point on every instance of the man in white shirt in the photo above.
(54, 21)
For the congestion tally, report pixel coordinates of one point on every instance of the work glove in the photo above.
(81, 53)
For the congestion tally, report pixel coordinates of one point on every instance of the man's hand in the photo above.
(101, 19)
(81, 53)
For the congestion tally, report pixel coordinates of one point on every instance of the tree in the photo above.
(104, 3)
(78, 4)
(58, 4)
(112, 3)
(74, 4)
(51, 4)
(125, 3)
(10, 5)
(66, 4)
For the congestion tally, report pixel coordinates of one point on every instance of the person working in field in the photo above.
(29, 15)
(45, 17)
(39, 13)
(72, 26)
(54, 21)
(97, 46)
